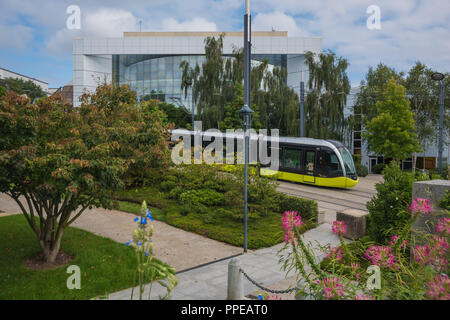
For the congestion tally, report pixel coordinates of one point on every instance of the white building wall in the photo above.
(93, 57)
(9, 74)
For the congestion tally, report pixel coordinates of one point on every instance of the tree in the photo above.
(327, 96)
(20, 86)
(392, 133)
(56, 161)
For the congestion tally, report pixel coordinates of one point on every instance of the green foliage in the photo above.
(392, 132)
(307, 208)
(389, 207)
(206, 197)
(20, 86)
(378, 168)
(56, 161)
(327, 96)
(2, 91)
(445, 202)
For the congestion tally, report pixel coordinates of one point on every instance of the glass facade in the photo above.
(159, 76)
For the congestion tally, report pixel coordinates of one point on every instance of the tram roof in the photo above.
(282, 140)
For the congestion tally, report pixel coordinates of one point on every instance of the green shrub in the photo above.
(307, 208)
(445, 202)
(378, 169)
(361, 170)
(389, 207)
(168, 185)
(175, 192)
(206, 197)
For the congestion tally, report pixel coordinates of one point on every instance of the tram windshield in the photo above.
(348, 161)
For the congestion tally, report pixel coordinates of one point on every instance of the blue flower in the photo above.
(139, 243)
(143, 220)
(146, 254)
(260, 297)
(149, 215)
(135, 219)
(128, 243)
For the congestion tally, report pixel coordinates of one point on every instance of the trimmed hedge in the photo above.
(307, 208)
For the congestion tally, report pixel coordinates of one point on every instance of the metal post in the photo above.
(247, 66)
(235, 289)
(441, 126)
(302, 108)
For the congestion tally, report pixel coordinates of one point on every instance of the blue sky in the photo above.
(34, 39)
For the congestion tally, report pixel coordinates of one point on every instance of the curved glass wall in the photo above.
(159, 76)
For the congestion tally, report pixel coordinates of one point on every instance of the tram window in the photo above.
(292, 158)
(329, 164)
(310, 155)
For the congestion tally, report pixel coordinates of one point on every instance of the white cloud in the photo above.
(15, 36)
(277, 21)
(196, 24)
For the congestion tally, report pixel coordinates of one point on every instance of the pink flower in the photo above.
(331, 287)
(439, 289)
(420, 205)
(273, 297)
(380, 256)
(291, 220)
(339, 227)
(334, 253)
(394, 240)
(432, 253)
(443, 226)
(364, 297)
(355, 267)
(421, 254)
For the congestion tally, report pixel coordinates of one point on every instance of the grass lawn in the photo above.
(106, 266)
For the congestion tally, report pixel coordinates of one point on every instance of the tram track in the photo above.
(336, 199)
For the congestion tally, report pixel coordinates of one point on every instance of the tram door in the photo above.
(309, 165)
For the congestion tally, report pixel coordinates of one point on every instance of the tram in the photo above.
(326, 163)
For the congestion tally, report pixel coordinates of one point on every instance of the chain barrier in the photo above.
(264, 288)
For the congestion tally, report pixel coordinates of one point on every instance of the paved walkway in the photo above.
(209, 282)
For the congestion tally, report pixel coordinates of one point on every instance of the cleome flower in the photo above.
(339, 227)
(331, 288)
(443, 226)
(394, 240)
(364, 297)
(420, 205)
(291, 220)
(439, 288)
(380, 256)
(334, 253)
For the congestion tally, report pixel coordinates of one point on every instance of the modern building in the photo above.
(150, 61)
(4, 73)
(356, 143)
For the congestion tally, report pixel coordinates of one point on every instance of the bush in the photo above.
(361, 170)
(206, 197)
(389, 208)
(445, 202)
(307, 208)
(167, 186)
(378, 169)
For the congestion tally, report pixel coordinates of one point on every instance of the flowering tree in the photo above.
(419, 275)
(56, 161)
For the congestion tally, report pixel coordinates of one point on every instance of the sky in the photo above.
(35, 41)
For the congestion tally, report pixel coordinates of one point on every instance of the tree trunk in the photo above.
(50, 249)
(414, 163)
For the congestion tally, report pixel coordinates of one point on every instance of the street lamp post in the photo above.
(246, 111)
(440, 77)
(188, 83)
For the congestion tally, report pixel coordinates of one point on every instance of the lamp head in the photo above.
(437, 76)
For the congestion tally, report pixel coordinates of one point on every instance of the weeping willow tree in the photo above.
(328, 86)
(217, 90)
